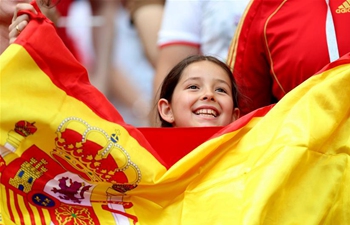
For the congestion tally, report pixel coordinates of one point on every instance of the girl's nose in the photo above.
(208, 95)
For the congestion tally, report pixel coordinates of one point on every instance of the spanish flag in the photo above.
(67, 156)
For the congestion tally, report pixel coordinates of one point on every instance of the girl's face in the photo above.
(202, 98)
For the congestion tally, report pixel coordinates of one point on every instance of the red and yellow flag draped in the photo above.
(67, 157)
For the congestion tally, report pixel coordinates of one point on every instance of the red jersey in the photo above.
(281, 43)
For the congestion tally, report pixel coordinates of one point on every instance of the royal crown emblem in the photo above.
(24, 128)
(95, 155)
(15, 137)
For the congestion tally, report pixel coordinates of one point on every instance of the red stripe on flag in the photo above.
(18, 209)
(134, 218)
(9, 205)
(171, 144)
(244, 120)
(30, 212)
(41, 214)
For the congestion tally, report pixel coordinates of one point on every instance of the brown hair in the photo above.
(173, 77)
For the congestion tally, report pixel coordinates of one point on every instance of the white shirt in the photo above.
(209, 24)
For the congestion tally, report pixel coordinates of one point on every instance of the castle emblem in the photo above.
(27, 174)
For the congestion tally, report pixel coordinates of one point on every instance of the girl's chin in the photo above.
(207, 124)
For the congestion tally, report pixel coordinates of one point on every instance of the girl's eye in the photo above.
(192, 87)
(221, 90)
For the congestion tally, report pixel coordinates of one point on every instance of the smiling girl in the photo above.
(200, 91)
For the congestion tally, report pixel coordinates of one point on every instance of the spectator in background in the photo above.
(57, 14)
(282, 43)
(103, 35)
(194, 27)
(7, 8)
(147, 16)
(113, 52)
(119, 87)
(52, 10)
(103, 43)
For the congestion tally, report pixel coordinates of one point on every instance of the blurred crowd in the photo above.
(112, 50)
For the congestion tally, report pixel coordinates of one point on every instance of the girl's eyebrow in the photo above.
(221, 81)
(192, 78)
(199, 78)
(189, 79)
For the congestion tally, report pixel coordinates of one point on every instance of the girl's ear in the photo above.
(164, 109)
(235, 114)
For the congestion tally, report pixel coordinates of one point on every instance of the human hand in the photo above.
(19, 22)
